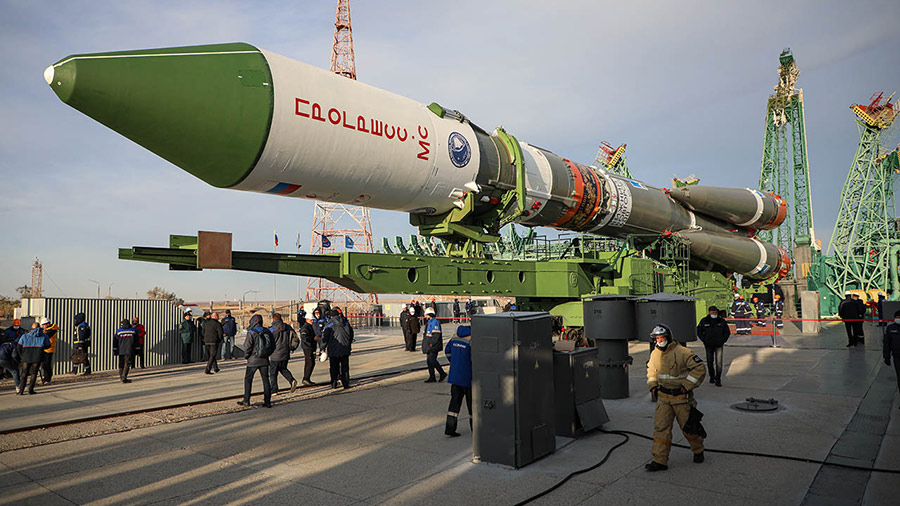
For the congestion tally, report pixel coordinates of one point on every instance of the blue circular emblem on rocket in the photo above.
(460, 151)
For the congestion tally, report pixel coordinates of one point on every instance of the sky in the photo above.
(684, 84)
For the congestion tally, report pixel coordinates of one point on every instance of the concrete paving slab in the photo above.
(31, 494)
(9, 477)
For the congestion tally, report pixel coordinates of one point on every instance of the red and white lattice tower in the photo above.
(339, 222)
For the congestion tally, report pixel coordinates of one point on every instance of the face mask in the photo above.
(663, 345)
(896, 320)
(714, 315)
(412, 311)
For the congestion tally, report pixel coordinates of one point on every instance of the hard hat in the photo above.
(429, 311)
(777, 296)
(848, 292)
(402, 306)
(187, 311)
(737, 296)
(661, 330)
(17, 322)
(44, 320)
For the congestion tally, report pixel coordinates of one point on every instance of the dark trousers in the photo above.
(410, 341)
(858, 330)
(309, 363)
(276, 367)
(714, 355)
(12, 368)
(457, 393)
(185, 353)
(248, 382)
(29, 375)
(212, 351)
(124, 366)
(433, 364)
(853, 332)
(46, 367)
(138, 354)
(340, 370)
(897, 368)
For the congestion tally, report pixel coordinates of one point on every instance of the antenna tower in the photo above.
(37, 278)
(340, 227)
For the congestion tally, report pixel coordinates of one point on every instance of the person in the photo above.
(848, 310)
(459, 351)
(881, 299)
(319, 323)
(713, 331)
(737, 312)
(201, 322)
(507, 307)
(301, 316)
(891, 345)
(186, 329)
(13, 333)
(456, 311)
(432, 343)
(124, 344)
(673, 372)
(212, 339)
(411, 329)
(419, 312)
(469, 309)
(308, 345)
(52, 331)
(760, 308)
(433, 304)
(31, 349)
(141, 333)
(778, 307)
(338, 339)
(10, 360)
(82, 342)
(229, 327)
(858, 325)
(285, 340)
(256, 361)
(404, 313)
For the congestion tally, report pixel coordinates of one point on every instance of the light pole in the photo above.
(245, 294)
(109, 290)
(98, 287)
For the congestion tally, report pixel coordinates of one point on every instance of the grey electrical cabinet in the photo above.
(678, 312)
(512, 387)
(576, 381)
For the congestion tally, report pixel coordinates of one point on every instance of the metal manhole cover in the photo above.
(753, 404)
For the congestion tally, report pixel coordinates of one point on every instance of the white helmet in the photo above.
(429, 311)
(44, 320)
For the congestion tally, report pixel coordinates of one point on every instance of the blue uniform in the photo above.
(460, 354)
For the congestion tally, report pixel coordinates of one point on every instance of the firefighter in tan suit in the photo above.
(673, 372)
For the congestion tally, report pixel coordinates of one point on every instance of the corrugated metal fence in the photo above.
(160, 318)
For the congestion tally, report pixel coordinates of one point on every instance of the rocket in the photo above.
(244, 118)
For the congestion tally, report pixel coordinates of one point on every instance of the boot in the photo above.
(450, 429)
(655, 466)
(698, 458)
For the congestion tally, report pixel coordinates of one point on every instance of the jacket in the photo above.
(338, 337)
(229, 326)
(849, 310)
(284, 334)
(212, 331)
(32, 344)
(141, 332)
(307, 337)
(862, 308)
(891, 344)
(9, 352)
(412, 324)
(318, 325)
(459, 351)
(125, 341)
(432, 342)
(737, 309)
(53, 333)
(186, 330)
(82, 338)
(250, 343)
(404, 314)
(13, 334)
(713, 331)
(674, 368)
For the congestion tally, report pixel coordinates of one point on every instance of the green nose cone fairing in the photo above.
(207, 109)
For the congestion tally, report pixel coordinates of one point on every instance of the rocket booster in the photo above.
(244, 118)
